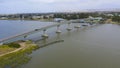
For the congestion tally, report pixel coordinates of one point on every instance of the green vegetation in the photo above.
(18, 58)
(116, 19)
(5, 49)
(69, 16)
(13, 45)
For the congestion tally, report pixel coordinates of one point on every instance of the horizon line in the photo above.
(71, 11)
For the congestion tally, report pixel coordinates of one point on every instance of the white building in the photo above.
(110, 15)
(37, 17)
(58, 19)
(3, 18)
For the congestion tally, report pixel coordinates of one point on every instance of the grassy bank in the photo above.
(115, 22)
(18, 58)
(5, 49)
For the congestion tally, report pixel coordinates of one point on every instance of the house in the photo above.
(37, 17)
(3, 18)
(58, 19)
(110, 15)
(78, 21)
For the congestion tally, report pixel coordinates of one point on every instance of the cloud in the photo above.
(24, 6)
(51, 1)
(42, 1)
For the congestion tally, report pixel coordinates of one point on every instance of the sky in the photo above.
(44, 6)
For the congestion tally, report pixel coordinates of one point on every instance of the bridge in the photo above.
(44, 35)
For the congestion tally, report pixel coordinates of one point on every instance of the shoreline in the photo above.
(21, 54)
(42, 20)
(23, 45)
(115, 23)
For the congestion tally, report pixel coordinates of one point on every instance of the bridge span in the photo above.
(24, 35)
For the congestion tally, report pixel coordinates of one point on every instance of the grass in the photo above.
(115, 23)
(5, 49)
(18, 58)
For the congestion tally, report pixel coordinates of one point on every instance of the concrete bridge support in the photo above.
(58, 29)
(44, 34)
(69, 28)
(77, 27)
(25, 36)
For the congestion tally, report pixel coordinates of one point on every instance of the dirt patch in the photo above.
(7, 50)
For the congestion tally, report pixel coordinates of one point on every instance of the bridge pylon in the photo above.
(77, 27)
(58, 29)
(44, 34)
(69, 28)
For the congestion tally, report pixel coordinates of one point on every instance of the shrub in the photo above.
(14, 45)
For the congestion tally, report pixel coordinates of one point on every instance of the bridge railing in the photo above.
(31, 32)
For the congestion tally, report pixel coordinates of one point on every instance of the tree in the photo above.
(116, 18)
(14, 45)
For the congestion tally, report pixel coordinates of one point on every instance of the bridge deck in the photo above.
(31, 32)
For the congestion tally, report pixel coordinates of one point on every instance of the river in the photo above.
(88, 47)
(93, 47)
(9, 28)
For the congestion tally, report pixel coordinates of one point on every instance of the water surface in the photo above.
(90, 47)
(10, 28)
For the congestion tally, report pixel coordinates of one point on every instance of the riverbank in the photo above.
(109, 21)
(42, 20)
(92, 47)
(115, 23)
(18, 56)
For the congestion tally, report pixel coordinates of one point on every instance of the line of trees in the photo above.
(75, 15)
(116, 19)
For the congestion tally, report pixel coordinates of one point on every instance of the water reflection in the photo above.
(68, 33)
(44, 41)
(58, 36)
(96, 47)
(15, 60)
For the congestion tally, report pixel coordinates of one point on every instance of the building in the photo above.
(37, 17)
(3, 18)
(58, 19)
(93, 19)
